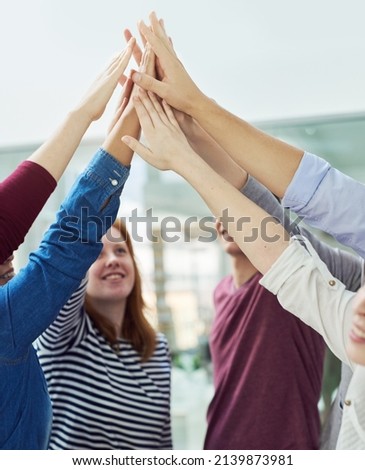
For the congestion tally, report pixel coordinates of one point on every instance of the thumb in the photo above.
(137, 147)
(149, 83)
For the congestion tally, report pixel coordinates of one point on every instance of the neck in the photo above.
(242, 270)
(112, 313)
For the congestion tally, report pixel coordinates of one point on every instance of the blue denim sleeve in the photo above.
(328, 200)
(33, 298)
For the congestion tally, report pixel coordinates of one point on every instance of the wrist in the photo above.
(127, 120)
(198, 105)
(189, 166)
(80, 116)
(188, 126)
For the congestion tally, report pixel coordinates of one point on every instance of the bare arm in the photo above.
(301, 180)
(169, 149)
(201, 142)
(270, 160)
(55, 154)
(126, 120)
(26, 190)
(205, 146)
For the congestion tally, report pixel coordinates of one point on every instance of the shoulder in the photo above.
(223, 284)
(162, 345)
(161, 339)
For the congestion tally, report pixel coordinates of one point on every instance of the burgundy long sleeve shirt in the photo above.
(22, 196)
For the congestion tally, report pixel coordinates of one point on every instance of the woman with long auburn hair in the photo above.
(135, 327)
(107, 370)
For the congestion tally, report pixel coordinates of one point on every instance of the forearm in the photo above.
(55, 154)
(268, 159)
(128, 124)
(271, 161)
(257, 234)
(343, 265)
(205, 146)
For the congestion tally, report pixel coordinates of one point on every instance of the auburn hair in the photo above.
(136, 328)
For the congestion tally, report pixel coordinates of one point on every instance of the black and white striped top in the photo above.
(103, 399)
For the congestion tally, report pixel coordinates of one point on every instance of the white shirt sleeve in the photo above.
(306, 288)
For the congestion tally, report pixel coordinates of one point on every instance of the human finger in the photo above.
(137, 147)
(143, 113)
(137, 51)
(158, 108)
(148, 61)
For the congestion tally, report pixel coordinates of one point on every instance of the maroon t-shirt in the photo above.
(22, 196)
(267, 369)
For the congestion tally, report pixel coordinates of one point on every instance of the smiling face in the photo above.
(112, 275)
(356, 343)
(6, 271)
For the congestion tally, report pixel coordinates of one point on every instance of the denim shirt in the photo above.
(328, 200)
(32, 299)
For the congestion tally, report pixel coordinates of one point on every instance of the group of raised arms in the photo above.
(81, 365)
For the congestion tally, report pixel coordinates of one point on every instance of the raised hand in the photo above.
(137, 51)
(122, 103)
(125, 120)
(100, 92)
(146, 61)
(175, 87)
(168, 149)
(55, 154)
(167, 145)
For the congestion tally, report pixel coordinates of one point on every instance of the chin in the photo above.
(231, 248)
(356, 352)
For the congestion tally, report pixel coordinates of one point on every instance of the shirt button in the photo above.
(332, 283)
(114, 182)
(347, 402)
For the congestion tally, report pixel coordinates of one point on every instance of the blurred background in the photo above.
(295, 70)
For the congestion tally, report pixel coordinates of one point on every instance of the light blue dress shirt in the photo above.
(328, 200)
